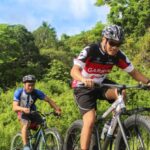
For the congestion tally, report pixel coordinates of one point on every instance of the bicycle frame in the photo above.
(115, 120)
(37, 136)
(124, 138)
(41, 137)
(118, 107)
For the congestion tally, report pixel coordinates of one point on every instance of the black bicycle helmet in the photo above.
(113, 32)
(28, 78)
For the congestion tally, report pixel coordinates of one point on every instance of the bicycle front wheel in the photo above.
(72, 139)
(16, 143)
(137, 130)
(51, 141)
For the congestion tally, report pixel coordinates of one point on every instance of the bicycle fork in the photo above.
(123, 132)
(98, 139)
(43, 139)
(111, 132)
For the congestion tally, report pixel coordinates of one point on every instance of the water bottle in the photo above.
(105, 129)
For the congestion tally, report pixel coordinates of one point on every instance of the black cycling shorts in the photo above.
(86, 97)
(33, 117)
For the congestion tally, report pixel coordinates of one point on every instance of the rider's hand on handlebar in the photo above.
(148, 83)
(58, 111)
(145, 86)
(26, 110)
(88, 82)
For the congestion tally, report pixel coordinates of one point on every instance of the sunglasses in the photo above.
(112, 43)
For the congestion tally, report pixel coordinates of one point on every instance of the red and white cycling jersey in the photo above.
(96, 64)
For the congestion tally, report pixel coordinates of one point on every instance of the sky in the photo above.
(66, 16)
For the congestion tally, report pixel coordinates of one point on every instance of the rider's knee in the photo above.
(89, 121)
(25, 125)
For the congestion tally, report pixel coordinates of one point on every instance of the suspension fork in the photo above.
(97, 138)
(37, 136)
(43, 136)
(123, 132)
(139, 136)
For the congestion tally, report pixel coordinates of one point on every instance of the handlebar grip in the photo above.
(56, 114)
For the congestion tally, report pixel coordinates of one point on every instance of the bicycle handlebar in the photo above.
(122, 87)
(45, 114)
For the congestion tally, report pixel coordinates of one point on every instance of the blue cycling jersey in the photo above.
(28, 99)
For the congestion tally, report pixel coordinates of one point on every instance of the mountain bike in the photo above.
(42, 138)
(127, 129)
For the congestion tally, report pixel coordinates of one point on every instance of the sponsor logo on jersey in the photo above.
(97, 70)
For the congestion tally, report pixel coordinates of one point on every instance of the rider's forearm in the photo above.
(139, 76)
(76, 73)
(51, 103)
(17, 108)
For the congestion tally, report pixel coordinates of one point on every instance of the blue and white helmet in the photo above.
(113, 32)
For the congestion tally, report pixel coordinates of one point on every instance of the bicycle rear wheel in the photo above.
(53, 140)
(16, 143)
(72, 139)
(137, 130)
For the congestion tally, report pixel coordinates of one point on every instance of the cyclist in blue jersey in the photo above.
(24, 103)
(92, 66)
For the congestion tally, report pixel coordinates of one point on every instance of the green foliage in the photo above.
(133, 15)
(59, 91)
(45, 36)
(143, 50)
(77, 42)
(58, 71)
(61, 55)
(51, 63)
(8, 125)
(54, 87)
(18, 56)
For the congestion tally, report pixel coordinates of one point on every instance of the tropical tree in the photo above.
(77, 42)
(18, 56)
(133, 15)
(45, 36)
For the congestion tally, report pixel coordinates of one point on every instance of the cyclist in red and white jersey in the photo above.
(92, 66)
